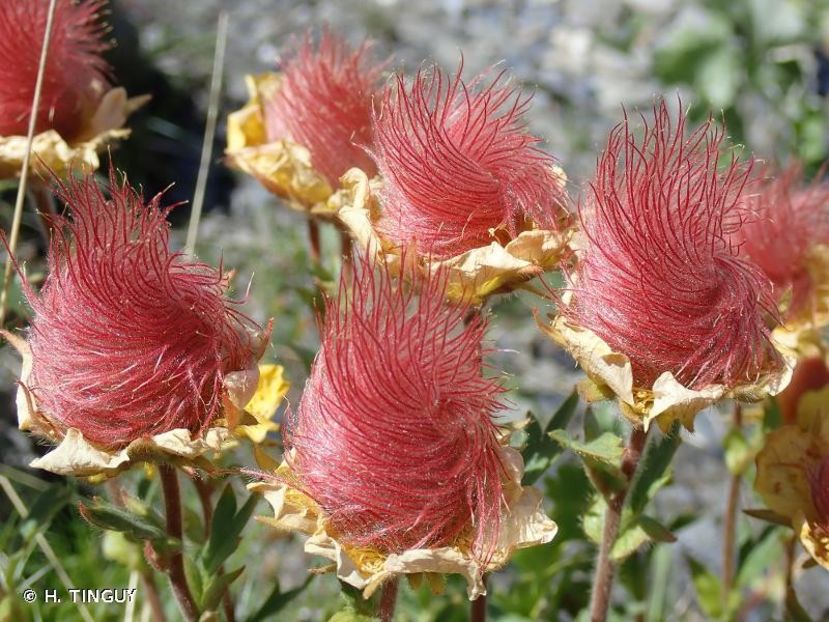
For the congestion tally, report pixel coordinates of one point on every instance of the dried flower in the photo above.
(788, 222)
(76, 74)
(393, 458)
(658, 279)
(459, 167)
(793, 474)
(130, 339)
(324, 103)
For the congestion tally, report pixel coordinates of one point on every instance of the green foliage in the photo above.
(540, 451)
(227, 525)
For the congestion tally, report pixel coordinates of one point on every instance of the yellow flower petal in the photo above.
(270, 391)
(282, 166)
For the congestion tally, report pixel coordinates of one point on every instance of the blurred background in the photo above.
(761, 66)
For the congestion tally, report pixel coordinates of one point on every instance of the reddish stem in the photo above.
(388, 600)
(172, 508)
(604, 573)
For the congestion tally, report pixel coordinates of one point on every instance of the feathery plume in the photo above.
(76, 74)
(660, 279)
(459, 165)
(130, 339)
(394, 436)
(324, 101)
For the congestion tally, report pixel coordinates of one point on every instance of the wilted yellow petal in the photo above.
(523, 523)
(52, 154)
(472, 275)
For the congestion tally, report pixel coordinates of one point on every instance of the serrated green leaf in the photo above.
(654, 469)
(708, 588)
(278, 600)
(631, 537)
(225, 529)
(215, 588)
(540, 450)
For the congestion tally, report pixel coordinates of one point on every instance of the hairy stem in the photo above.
(730, 519)
(604, 572)
(388, 600)
(172, 508)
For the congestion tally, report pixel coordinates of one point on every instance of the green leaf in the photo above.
(760, 555)
(719, 75)
(738, 453)
(43, 510)
(629, 540)
(654, 468)
(278, 600)
(772, 418)
(607, 448)
(540, 450)
(216, 587)
(656, 531)
(592, 427)
(225, 529)
(708, 588)
(768, 516)
(570, 491)
(107, 516)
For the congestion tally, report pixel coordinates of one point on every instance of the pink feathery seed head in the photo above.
(130, 339)
(458, 162)
(324, 103)
(76, 73)
(394, 436)
(786, 220)
(660, 279)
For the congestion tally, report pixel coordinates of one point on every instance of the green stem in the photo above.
(604, 572)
